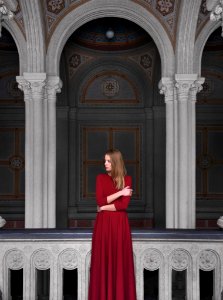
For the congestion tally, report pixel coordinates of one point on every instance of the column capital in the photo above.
(37, 82)
(196, 87)
(53, 86)
(24, 86)
(216, 8)
(183, 84)
(166, 86)
(6, 11)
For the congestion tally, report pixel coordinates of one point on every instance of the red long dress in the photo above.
(112, 269)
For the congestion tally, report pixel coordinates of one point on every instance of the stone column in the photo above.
(186, 120)
(194, 89)
(166, 86)
(54, 85)
(33, 85)
(40, 148)
(180, 97)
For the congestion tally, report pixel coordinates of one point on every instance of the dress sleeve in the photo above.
(100, 198)
(123, 202)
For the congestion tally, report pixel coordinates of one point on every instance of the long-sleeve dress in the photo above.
(112, 269)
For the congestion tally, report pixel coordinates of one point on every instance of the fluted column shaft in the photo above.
(53, 87)
(40, 148)
(167, 88)
(180, 97)
(33, 85)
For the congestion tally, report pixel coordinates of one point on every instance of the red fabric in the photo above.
(112, 270)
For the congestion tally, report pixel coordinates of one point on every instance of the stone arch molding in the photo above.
(101, 8)
(20, 41)
(201, 40)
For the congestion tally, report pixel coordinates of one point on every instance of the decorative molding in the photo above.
(69, 259)
(15, 259)
(42, 259)
(208, 260)
(5, 14)
(180, 260)
(216, 8)
(166, 87)
(166, 12)
(152, 259)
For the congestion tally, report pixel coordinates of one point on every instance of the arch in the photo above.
(20, 43)
(200, 43)
(35, 39)
(186, 36)
(87, 73)
(121, 9)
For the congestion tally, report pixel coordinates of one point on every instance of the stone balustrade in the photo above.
(170, 254)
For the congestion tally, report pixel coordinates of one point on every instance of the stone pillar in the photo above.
(40, 148)
(185, 203)
(186, 88)
(54, 85)
(166, 86)
(180, 97)
(194, 89)
(33, 85)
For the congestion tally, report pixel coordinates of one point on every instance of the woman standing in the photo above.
(112, 270)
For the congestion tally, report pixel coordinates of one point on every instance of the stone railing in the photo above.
(169, 264)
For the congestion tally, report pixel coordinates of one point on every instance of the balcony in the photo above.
(54, 264)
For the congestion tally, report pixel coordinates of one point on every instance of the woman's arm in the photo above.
(109, 207)
(124, 192)
(100, 198)
(123, 201)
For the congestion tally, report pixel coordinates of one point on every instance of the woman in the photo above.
(112, 270)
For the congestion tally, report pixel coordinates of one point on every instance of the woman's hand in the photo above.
(127, 191)
(98, 208)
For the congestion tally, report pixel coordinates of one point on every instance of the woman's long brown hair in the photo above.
(118, 170)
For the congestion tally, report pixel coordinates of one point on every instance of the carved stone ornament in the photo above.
(216, 8)
(179, 260)
(166, 87)
(69, 259)
(15, 259)
(5, 13)
(42, 259)
(2, 222)
(152, 259)
(207, 260)
(110, 87)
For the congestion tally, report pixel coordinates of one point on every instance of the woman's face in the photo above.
(107, 163)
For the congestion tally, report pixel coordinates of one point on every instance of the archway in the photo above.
(92, 117)
(12, 134)
(210, 129)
